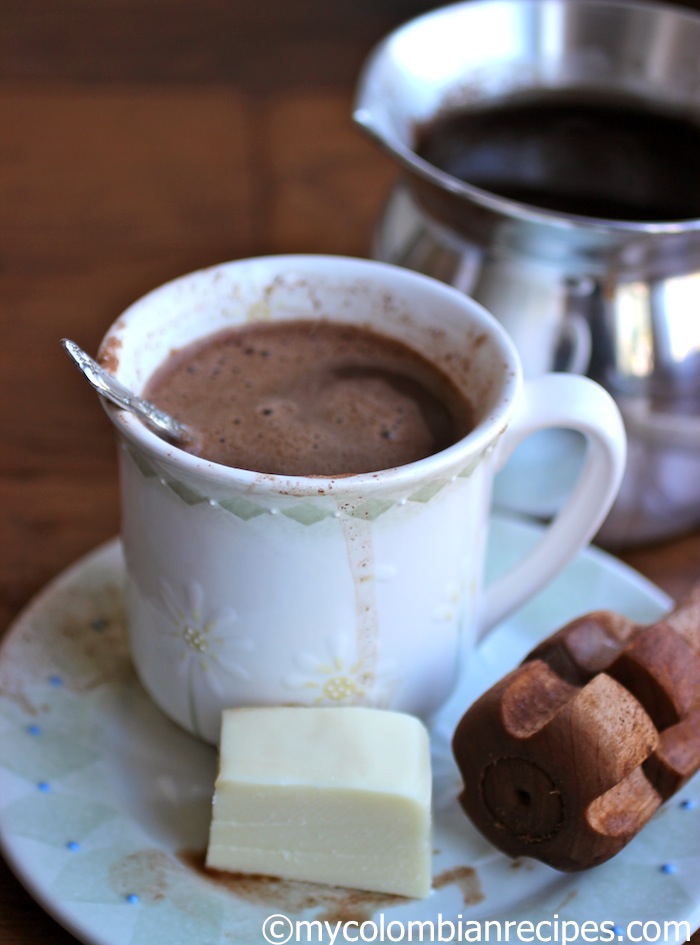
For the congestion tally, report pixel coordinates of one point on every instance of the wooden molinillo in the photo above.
(568, 757)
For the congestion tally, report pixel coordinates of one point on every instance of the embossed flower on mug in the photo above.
(339, 677)
(212, 649)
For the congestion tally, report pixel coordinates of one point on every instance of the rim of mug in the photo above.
(486, 431)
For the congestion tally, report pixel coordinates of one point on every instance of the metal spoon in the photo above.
(111, 389)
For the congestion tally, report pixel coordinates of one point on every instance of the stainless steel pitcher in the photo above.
(617, 300)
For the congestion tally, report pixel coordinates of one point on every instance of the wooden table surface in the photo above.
(141, 140)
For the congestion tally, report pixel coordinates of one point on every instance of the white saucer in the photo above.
(105, 803)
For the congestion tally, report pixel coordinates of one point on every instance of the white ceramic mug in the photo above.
(245, 588)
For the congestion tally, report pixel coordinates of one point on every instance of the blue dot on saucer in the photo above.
(44, 787)
(56, 680)
(132, 899)
(34, 729)
(688, 804)
(73, 846)
(668, 868)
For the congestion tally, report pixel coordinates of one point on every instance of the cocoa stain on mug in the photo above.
(109, 354)
(360, 551)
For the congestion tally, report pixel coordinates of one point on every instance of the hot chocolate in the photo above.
(310, 398)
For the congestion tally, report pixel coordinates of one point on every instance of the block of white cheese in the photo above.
(328, 795)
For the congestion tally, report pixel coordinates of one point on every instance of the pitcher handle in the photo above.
(575, 403)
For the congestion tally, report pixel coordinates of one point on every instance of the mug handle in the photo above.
(575, 403)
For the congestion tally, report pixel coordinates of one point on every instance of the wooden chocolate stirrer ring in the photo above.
(568, 756)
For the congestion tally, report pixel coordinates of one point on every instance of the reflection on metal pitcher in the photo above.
(594, 272)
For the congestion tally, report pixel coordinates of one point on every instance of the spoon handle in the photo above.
(111, 389)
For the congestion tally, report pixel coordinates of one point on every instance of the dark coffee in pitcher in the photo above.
(590, 155)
